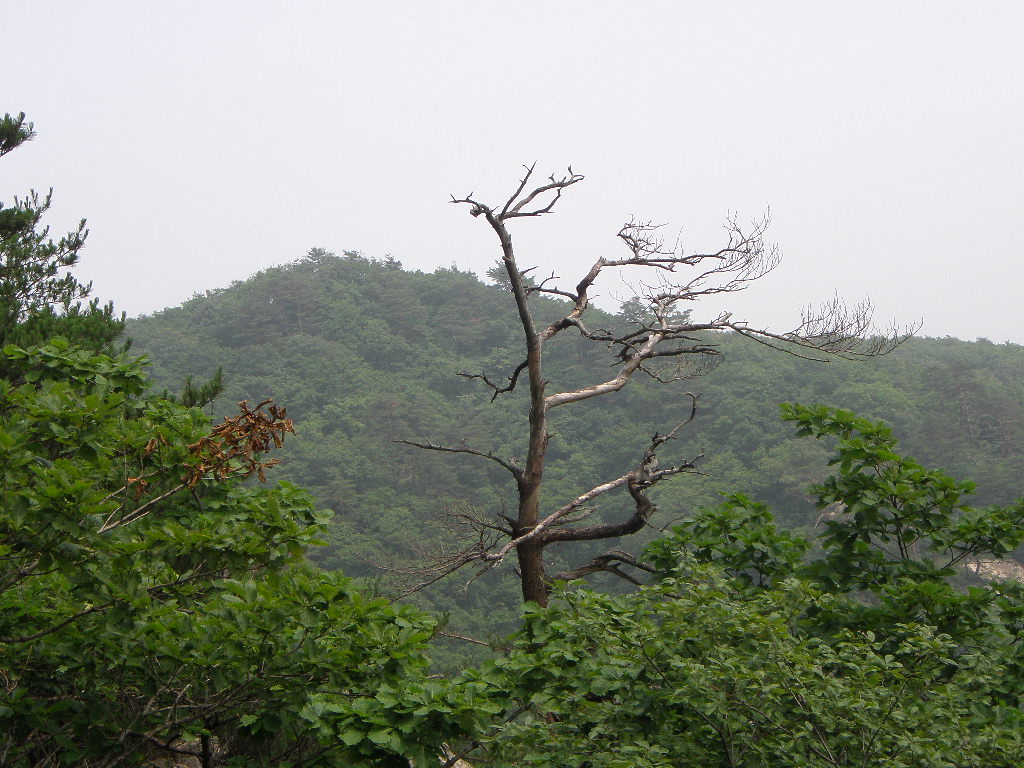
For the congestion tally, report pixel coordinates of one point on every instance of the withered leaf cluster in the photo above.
(235, 445)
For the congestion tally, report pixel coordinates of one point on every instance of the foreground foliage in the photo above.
(153, 605)
(747, 652)
(690, 672)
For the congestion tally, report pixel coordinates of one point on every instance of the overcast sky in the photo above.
(207, 141)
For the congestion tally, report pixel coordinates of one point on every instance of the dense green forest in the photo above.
(167, 597)
(364, 353)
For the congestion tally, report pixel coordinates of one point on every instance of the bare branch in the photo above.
(637, 480)
(542, 288)
(644, 508)
(516, 205)
(464, 638)
(139, 512)
(516, 471)
(553, 185)
(832, 331)
(433, 576)
(466, 538)
(612, 385)
(498, 390)
(536, 531)
(519, 189)
(699, 363)
(604, 564)
(552, 292)
(644, 477)
(637, 483)
(475, 206)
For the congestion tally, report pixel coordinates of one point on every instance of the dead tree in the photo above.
(663, 332)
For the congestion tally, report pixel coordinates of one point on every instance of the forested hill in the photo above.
(363, 353)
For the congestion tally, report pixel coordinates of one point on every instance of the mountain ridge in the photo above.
(364, 353)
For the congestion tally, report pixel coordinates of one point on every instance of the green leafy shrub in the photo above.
(153, 604)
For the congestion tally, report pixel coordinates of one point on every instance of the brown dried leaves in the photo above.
(234, 446)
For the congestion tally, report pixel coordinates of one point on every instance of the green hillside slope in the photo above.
(363, 353)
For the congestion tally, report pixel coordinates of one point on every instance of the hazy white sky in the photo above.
(206, 141)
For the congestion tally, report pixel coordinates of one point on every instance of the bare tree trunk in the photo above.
(531, 567)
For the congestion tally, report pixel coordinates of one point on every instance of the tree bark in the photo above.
(531, 567)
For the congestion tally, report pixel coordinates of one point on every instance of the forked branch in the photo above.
(518, 205)
(606, 563)
(552, 529)
(498, 390)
